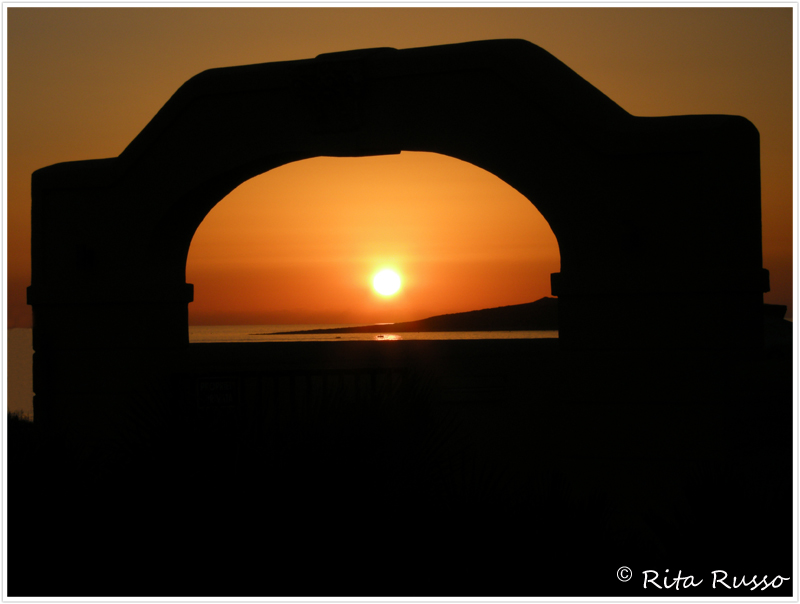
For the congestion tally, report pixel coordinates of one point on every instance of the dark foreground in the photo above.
(406, 494)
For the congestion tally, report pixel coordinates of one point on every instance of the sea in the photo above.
(276, 333)
(19, 391)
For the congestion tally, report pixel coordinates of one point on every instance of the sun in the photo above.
(386, 282)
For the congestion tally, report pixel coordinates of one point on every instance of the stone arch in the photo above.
(657, 219)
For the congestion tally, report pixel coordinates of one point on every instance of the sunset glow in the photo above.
(386, 282)
(465, 239)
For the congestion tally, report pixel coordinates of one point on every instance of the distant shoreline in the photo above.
(541, 315)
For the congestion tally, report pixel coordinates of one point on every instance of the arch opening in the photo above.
(299, 243)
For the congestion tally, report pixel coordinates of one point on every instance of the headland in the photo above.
(541, 315)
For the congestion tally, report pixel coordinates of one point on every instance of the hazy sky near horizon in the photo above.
(300, 243)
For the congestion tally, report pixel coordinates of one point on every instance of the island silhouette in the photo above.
(541, 315)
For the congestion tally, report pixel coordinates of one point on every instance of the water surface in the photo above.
(271, 333)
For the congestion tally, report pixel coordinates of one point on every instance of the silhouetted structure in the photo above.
(663, 213)
(655, 429)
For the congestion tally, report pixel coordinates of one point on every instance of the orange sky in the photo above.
(299, 244)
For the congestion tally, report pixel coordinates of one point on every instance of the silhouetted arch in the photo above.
(657, 219)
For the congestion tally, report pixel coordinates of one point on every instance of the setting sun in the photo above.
(386, 282)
